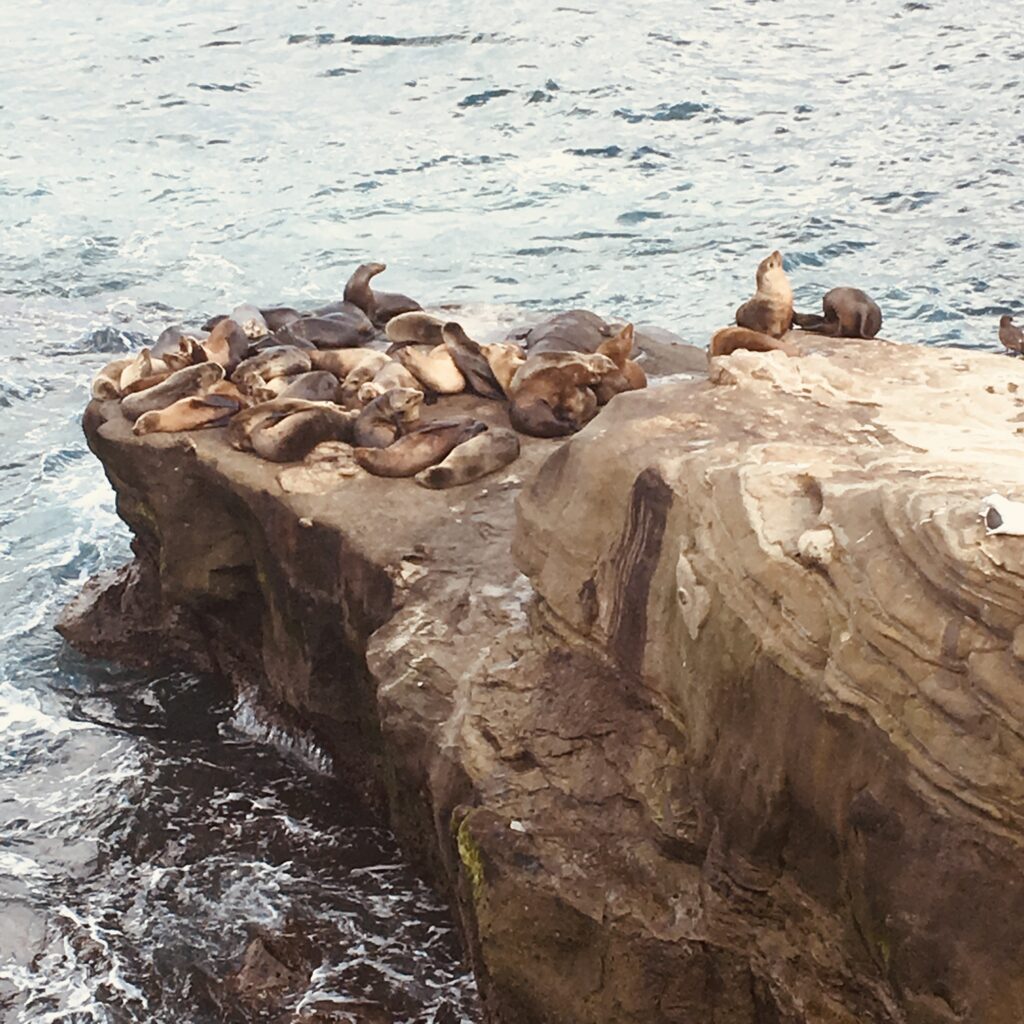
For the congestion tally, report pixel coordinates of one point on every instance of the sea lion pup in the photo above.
(380, 307)
(291, 437)
(418, 449)
(338, 330)
(276, 317)
(434, 368)
(849, 313)
(486, 453)
(471, 361)
(192, 380)
(551, 392)
(251, 319)
(415, 328)
(628, 375)
(1011, 335)
(315, 386)
(277, 361)
(342, 361)
(227, 345)
(107, 382)
(504, 359)
(770, 311)
(213, 409)
(387, 417)
(729, 339)
(321, 470)
(575, 330)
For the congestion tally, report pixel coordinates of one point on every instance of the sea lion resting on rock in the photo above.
(278, 361)
(142, 366)
(242, 425)
(504, 359)
(292, 436)
(434, 368)
(418, 449)
(551, 393)
(729, 339)
(191, 381)
(849, 313)
(336, 330)
(314, 386)
(227, 345)
(770, 311)
(486, 453)
(212, 409)
(277, 317)
(380, 307)
(576, 330)
(387, 417)
(471, 361)
(415, 328)
(107, 382)
(342, 361)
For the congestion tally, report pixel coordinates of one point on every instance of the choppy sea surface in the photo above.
(163, 161)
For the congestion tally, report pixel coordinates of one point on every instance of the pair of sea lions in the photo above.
(287, 429)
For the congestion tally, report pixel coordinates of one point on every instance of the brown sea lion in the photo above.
(292, 437)
(380, 307)
(213, 409)
(486, 453)
(628, 375)
(504, 359)
(227, 345)
(729, 339)
(770, 311)
(1011, 335)
(342, 361)
(576, 330)
(418, 449)
(849, 313)
(192, 380)
(277, 317)
(471, 361)
(434, 368)
(415, 328)
(338, 330)
(551, 393)
(387, 417)
(315, 386)
(107, 382)
(278, 361)
(323, 469)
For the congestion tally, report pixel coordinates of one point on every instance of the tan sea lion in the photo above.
(434, 368)
(486, 453)
(143, 383)
(213, 409)
(387, 417)
(551, 393)
(323, 469)
(342, 361)
(188, 352)
(292, 437)
(770, 311)
(279, 361)
(1011, 335)
(418, 449)
(142, 365)
(192, 380)
(380, 307)
(227, 345)
(729, 339)
(471, 361)
(107, 382)
(849, 313)
(628, 375)
(504, 359)
(415, 328)
(394, 375)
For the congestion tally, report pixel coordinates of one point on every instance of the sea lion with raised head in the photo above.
(575, 330)
(140, 367)
(415, 328)
(849, 313)
(387, 417)
(107, 382)
(552, 392)
(434, 368)
(418, 449)
(227, 345)
(380, 307)
(471, 361)
(1011, 335)
(338, 330)
(486, 453)
(278, 361)
(770, 311)
(504, 359)
(185, 383)
(628, 375)
(729, 339)
(214, 409)
(292, 437)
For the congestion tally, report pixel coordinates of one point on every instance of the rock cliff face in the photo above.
(712, 714)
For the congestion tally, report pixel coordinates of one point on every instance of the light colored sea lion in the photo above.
(394, 375)
(142, 365)
(770, 311)
(107, 382)
(213, 409)
(315, 386)
(279, 361)
(277, 317)
(192, 380)
(338, 330)
(434, 368)
(323, 469)
(1011, 335)
(292, 437)
(486, 453)
(387, 417)
(849, 313)
(729, 339)
(342, 361)
(471, 361)
(227, 345)
(628, 375)
(143, 383)
(551, 393)
(418, 449)
(251, 319)
(380, 307)
(415, 328)
(576, 330)
(504, 359)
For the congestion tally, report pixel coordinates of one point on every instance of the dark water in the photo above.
(161, 161)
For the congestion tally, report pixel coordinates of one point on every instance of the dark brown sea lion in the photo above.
(576, 330)
(729, 339)
(380, 307)
(339, 306)
(277, 361)
(338, 330)
(471, 361)
(192, 380)
(628, 375)
(227, 345)
(315, 386)
(480, 455)
(1011, 335)
(292, 437)
(279, 316)
(213, 409)
(247, 420)
(415, 328)
(770, 311)
(849, 313)
(387, 417)
(418, 449)
(551, 393)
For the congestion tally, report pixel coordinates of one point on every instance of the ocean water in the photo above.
(163, 161)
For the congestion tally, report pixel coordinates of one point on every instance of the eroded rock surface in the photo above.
(711, 713)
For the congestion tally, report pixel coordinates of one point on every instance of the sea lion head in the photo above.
(769, 267)
(404, 403)
(1006, 320)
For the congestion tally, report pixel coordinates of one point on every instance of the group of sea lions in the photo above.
(340, 387)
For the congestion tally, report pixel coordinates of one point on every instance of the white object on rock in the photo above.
(516, 826)
(1002, 515)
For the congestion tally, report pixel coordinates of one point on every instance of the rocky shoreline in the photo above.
(709, 713)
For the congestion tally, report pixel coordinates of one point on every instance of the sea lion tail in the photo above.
(809, 321)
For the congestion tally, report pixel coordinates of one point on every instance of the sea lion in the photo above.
(628, 375)
(213, 409)
(434, 368)
(141, 366)
(849, 313)
(107, 382)
(342, 361)
(227, 345)
(418, 449)
(1011, 335)
(729, 339)
(394, 375)
(278, 361)
(576, 330)
(504, 359)
(292, 437)
(338, 306)
(415, 328)
(276, 340)
(551, 392)
(486, 453)
(338, 330)
(143, 383)
(192, 380)
(770, 311)
(315, 386)
(242, 425)
(471, 361)
(277, 317)
(380, 307)
(321, 470)
(387, 417)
